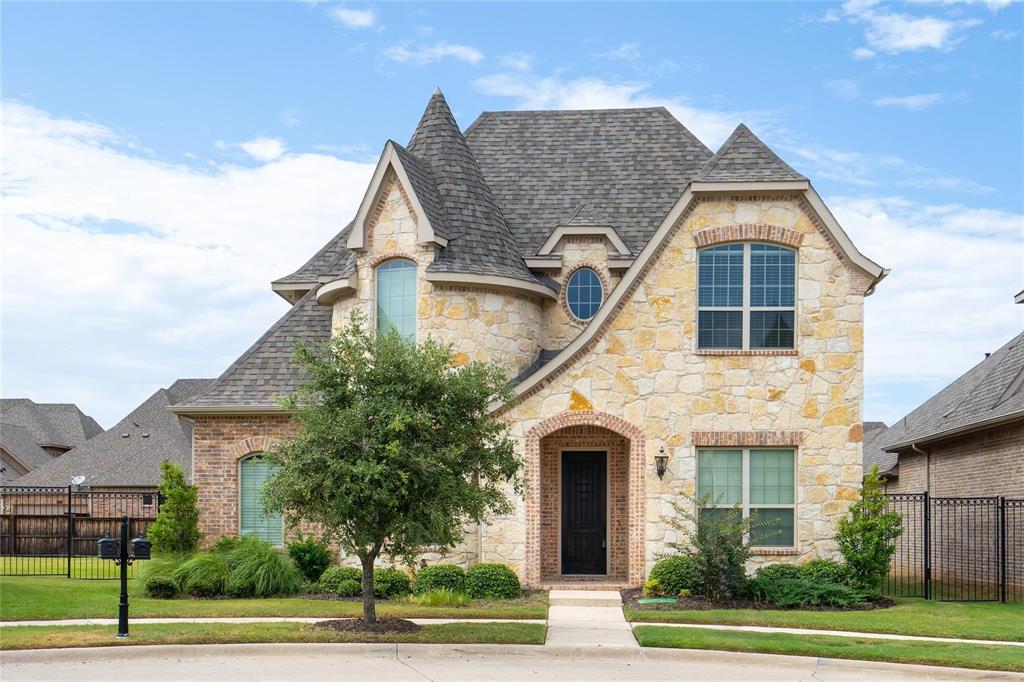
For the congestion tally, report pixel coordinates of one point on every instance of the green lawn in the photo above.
(65, 636)
(982, 656)
(909, 617)
(81, 566)
(53, 598)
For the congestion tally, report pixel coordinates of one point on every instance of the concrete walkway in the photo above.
(452, 663)
(588, 618)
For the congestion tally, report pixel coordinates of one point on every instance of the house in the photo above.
(967, 440)
(653, 301)
(32, 434)
(126, 458)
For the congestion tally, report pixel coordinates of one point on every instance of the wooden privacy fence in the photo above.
(53, 530)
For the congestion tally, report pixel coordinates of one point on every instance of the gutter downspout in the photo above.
(927, 466)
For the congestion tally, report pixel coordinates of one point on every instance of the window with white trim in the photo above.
(760, 481)
(253, 519)
(746, 297)
(396, 297)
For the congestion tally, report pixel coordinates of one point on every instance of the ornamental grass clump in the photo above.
(205, 574)
(156, 576)
(259, 570)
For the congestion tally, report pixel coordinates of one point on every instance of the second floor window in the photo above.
(746, 297)
(584, 293)
(396, 297)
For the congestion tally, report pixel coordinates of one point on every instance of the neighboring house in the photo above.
(874, 433)
(968, 439)
(127, 457)
(649, 298)
(32, 434)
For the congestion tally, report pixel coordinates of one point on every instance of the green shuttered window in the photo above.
(253, 473)
(761, 481)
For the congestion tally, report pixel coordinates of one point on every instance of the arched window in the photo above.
(253, 520)
(396, 296)
(746, 297)
(584, 293)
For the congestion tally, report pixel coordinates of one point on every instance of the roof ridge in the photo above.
(746, 165)
(568, 111)
(689, 133)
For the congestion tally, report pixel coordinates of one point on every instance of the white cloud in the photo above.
(126, 272)
(893, 32)
(1004, 34)
(625, 51)
(845, 88)
(993, 5)
(263, 148)
(520, 61)
(911, 102)
(552, 92)
(404, 53)
(948, 299)
(353, 18)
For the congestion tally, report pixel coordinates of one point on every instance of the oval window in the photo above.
(584, 293)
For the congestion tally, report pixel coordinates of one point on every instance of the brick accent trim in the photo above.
(391, 255)
(635, 472)
(739, 351)
(747, 439)
(254, 444)
(746, 232)
(563, 295)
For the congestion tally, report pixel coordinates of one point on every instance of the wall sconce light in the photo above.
(661, 462)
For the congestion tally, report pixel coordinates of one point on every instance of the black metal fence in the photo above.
(53, 530)
(958, 548)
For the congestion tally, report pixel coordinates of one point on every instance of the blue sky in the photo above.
(164, 161)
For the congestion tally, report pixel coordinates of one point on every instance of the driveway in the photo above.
(469, 663)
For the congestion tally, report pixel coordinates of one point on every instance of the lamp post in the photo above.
(109, 548)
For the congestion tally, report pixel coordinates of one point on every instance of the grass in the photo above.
(909, 617)
(981, 656)
(53, 598)
(66, 636)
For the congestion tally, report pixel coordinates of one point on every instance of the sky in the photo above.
(163, 162)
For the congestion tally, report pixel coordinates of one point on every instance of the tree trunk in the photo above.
(369, 606)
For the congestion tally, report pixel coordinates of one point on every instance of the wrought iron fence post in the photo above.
(1003, 578)
(71, 531)
(927, 547)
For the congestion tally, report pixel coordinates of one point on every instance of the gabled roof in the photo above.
(265, 371)
(991, 392)
(21, 444)
(51, 424)
(744, 158)
(628, 165)
(129, 453)
(874, 433)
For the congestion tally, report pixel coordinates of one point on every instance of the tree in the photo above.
(395, 447)
(867, 537)
(176, 529)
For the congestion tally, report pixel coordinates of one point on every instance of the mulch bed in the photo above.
(631, 597)
(383, 625)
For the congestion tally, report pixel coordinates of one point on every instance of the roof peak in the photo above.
(743, 156)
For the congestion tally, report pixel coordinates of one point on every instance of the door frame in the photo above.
(607, 511)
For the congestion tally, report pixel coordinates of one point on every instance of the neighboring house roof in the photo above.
(874, 432)
(744, 158)
(20, 444)
(60, 425)
(265, 371)
(989, 393)
(129, 453)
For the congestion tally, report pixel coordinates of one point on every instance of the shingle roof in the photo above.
(874, 432)
(992, 390)
(129, 453)
(265, 371)
(479, 240)
(629, 165)
(56, 424)
(744, 158)
(327, 256)
(19, 442)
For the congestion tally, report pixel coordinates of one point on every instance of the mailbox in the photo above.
(141, 548)
(108, 548)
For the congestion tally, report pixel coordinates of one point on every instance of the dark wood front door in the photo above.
(584, 513)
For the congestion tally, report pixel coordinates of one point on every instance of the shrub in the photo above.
(440, 577)
(203, 575)
(390, 582)
(492, 581)
(676, 573)
(349, 588)
(258, 570)
(683, 594)
(867, 537)
(156, 576)
(311, 557)
(793, 593)
(652, 588)
(827, 570)
(778, 572)
(439, 597)
(332, 578)
(176, 528)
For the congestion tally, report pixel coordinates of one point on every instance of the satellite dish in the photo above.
(77, 480)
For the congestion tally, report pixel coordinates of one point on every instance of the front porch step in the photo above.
(584, 598)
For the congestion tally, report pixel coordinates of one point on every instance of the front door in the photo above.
(584, 513)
